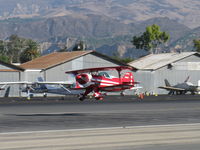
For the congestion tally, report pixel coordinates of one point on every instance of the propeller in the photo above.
(83, 78)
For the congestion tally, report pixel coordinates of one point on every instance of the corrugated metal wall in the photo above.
(91, 61)
(11, 90)
(57, 73)
(146, 79)
(31, 75)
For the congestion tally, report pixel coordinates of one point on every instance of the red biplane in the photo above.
(96, 81)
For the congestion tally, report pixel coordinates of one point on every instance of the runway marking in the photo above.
(106, 128)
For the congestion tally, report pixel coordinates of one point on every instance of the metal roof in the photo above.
(13, 68)
(56, 58)
(156, 61)
(52, 59)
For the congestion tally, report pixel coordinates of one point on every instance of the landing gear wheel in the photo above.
(81, 97)
(122, 94)
(45, 95)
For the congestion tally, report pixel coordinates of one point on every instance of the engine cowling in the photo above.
(84, 79)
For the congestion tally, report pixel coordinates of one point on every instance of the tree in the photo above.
(31, 51)
(4, 58)
(124, 60)
(17, 49)
(117, 57)
(2, 47)
(3, 54)
(14, 47)
(150, 39)
(197, 45)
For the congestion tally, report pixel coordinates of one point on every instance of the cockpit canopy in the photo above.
(105, 74)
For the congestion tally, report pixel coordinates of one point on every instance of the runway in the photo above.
(183, 137)
(113, 125)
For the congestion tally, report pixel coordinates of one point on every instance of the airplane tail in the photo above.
(7, 92)
(42, 86)
(128, 78)
(186, 80)
(40, 79)
(167, 82)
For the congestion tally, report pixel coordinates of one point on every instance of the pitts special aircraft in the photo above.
(96, 81)
(180, 88)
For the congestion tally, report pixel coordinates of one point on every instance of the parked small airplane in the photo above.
(96, 81)
(39, 86)
(180, 88)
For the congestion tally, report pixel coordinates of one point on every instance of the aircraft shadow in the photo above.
(46, 115)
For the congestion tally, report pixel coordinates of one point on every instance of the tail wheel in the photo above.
(99, 98)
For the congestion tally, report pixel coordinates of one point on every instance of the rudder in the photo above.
(128, 77)
(167, 82)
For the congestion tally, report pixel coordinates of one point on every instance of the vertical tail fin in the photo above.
(167, 82)
(7, 92)
(40, 79)
(42, 86)
(128, 77)
(186, 80)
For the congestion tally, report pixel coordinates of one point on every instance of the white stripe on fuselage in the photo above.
(108, 84)
(105, 81)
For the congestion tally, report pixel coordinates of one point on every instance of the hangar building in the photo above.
(52, 67)
(175, 67)
(10, 73)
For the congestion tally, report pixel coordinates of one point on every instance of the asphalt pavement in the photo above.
(40, 116)
(53, 114)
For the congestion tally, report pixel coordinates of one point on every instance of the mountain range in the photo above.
(105, 25)
(128, 11)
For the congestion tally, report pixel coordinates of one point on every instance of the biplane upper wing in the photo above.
(100, 69)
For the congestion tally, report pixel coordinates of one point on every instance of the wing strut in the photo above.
(65, 88)
(119, 74)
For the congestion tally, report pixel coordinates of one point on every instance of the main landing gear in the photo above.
(81, 97)
(122, 94)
